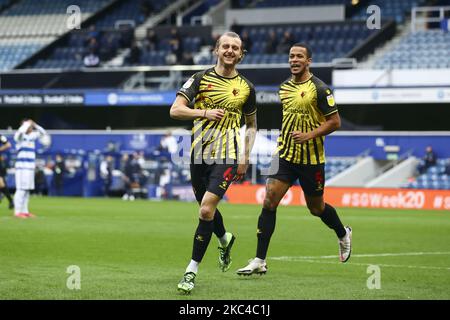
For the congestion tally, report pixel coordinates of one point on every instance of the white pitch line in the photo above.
(399, 254)
(381, 265)
(313, 259)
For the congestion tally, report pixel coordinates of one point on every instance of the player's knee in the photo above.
(206, 212)
(270, 204)
(315, 210)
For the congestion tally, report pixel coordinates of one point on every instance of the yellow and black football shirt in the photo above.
(305, 106)
(218, 139)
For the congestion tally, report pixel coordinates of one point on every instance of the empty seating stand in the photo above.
(15, 51)
(27, 26)
(396, 10)
(69, 55)
(335, 165)
(409, 53)
(42, 18)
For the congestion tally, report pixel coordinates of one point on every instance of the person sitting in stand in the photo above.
(428, 160)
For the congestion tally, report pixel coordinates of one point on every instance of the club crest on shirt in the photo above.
(235, 92)
(207, 102)
(330, 100)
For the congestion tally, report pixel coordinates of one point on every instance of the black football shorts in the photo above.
(215, 178)
(310, 177)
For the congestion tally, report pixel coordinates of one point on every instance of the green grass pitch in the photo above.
(140, 249)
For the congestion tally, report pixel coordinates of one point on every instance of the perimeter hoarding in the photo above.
(351, 197)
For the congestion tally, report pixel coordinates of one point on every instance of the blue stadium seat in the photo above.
(433, 44)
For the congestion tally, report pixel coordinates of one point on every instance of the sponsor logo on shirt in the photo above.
(188, 83)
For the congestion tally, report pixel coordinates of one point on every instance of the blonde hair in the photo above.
(232, 34)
